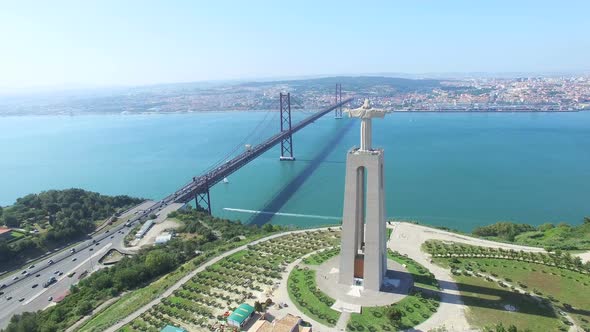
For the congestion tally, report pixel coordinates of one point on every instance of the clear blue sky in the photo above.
(121, 42)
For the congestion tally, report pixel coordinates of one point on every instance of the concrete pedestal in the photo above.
(363, 220)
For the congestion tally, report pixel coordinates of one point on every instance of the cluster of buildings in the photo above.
(485, 94)
(534, 93)
(495, 94)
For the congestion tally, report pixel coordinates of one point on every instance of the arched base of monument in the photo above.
(396, 285)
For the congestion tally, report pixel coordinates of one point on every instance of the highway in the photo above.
(22, 295)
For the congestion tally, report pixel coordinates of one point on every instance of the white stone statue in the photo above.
(366, 113)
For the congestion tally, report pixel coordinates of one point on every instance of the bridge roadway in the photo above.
(201, 183)
(24, 291)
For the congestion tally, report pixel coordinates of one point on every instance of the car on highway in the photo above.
(60, 274)
(71, 274)
(56, 272)
(49, 282)
(24, 272)
(73, 250)
(21, 299)
(15, 278)
(35, 286)
(91, 249)
(74, 259)
(32, 267)
(50, 299)
(50, 261)
(1, 293)
(38, 275)
(8, 298)
(2, 286)
(112, 236)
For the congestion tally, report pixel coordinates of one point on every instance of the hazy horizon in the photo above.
(133, 43)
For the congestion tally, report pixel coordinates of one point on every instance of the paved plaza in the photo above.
(396, 285)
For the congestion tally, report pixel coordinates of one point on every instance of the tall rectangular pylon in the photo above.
(287, 142)
(363, 251)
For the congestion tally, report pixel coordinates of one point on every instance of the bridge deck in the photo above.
(201, 183)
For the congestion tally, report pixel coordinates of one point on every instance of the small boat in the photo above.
(225, 180)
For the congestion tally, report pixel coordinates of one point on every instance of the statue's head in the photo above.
(366, 104)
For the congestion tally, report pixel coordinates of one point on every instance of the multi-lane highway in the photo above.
(27, 293)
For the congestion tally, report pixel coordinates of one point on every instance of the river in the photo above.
(457, 170)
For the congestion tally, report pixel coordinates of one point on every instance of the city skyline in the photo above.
(110, 44)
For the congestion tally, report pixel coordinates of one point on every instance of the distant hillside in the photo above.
(354, 83)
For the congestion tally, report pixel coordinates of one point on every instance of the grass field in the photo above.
(304, 292)
(562, 288)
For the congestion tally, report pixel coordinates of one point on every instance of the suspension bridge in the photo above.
(198, 189)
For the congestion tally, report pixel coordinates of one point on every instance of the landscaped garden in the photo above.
(306, 295)
(420, 275)
(412, 310)
(536, 291)
(201, 303)
(407, 313)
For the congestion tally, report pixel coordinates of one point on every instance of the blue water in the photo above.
(457, 170)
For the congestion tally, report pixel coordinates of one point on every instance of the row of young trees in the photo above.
(557, 258)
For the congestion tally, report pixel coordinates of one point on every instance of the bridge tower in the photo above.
(338, 96)
(287, 142)
(202, 198)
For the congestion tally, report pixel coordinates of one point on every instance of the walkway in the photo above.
(408, 238)
(281, 295)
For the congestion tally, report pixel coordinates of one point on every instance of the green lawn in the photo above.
(415, 310)
(309, 299)
(487, 299)
(421, 276)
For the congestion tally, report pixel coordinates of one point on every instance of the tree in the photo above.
(586, 219)
(158, 262)
(10, 220)
(394, 314)
(258, 307)
(84, 308)
(267, 227)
